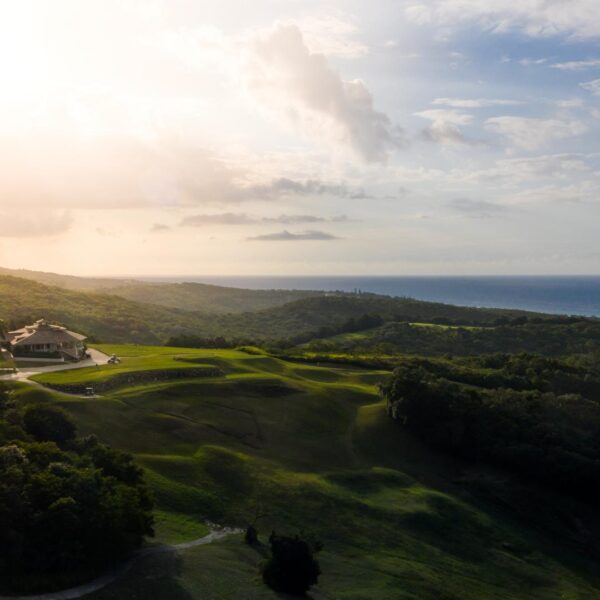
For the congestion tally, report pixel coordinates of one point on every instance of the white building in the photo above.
(42, 338)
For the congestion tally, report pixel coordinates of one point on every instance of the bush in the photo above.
(292, 568)
(48, 423)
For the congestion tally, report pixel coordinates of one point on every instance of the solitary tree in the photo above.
(292, 568)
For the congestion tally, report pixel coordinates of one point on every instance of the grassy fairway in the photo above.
(312, 448)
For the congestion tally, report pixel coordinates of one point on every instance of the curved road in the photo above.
(108, 578)
(96, 358)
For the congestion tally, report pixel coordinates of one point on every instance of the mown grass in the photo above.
(310, 448)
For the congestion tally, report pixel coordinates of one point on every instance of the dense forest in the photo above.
(549, 336)
(536, 417)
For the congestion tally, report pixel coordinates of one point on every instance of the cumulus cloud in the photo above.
(61, 168)
(286, 236)
(473, 102)
(445, 126)
(575, 18)
(533, 133)
(35, 224)
(285, 75)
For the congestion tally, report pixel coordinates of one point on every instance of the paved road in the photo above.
(96, 358)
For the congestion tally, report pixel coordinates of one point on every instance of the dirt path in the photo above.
(101, 582)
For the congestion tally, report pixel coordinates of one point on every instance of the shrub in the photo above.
(48, 423)
(291, 569)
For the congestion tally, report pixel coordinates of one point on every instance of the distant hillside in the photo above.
(206, 298)
(101, 316)
(187, 296)
(573, 336)
(112, 318)
(307, 316)
(69, 282)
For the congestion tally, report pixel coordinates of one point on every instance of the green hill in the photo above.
(186, 296)
(111, 318)
(311, 448)
(97, 315)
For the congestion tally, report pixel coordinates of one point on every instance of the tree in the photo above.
(291, 568)
(48, 424)
(68, 506)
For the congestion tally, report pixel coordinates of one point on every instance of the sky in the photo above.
(296, 137)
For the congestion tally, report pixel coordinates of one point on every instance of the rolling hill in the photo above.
(311, 448)
(187, 296)
(106, 317)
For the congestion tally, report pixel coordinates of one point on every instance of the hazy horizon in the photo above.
(421, 137)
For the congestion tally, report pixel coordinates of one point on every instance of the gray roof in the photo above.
(42, 332)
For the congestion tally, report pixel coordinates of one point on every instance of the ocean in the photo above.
(571, 295)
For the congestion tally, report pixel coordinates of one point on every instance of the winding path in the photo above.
(108, 578)
(23, 374)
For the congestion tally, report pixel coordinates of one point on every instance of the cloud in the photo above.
(577, 65)
(64, 169)
(473, 102)
(532, 133)
(570, 103)
(35, 224)
(445, 126)
(296, 219)
(477, 209)
(286, 236)
(536, 18)
(286, 76)
(310, 187)
(532, 62)
(160, 228)
(217, 219)
(557, 165)
(331, 35)
(592, 86)
(244, 219)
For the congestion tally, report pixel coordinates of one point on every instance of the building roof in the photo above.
(42, 332)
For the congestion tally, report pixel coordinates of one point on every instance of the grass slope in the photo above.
(312, 448)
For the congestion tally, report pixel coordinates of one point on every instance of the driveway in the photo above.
(96, 358)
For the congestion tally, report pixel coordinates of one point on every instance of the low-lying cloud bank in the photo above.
(286, 236)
